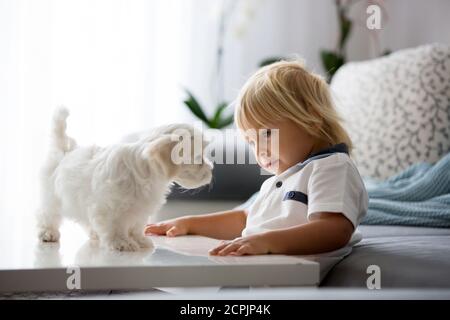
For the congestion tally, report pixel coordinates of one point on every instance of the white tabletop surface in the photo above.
(26, 264)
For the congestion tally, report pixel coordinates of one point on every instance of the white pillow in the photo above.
(396, 108)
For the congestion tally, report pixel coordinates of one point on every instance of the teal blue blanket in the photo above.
(418, 196)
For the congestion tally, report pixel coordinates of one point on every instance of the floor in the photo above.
(233, 294)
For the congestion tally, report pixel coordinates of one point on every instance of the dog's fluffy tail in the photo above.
(48, 215)
(60, 141)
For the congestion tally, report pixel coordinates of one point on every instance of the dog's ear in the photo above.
(155, 148)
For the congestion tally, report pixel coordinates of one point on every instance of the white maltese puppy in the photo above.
(112, 191)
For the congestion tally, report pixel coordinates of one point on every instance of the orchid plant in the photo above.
(332, 60)
(218, 120)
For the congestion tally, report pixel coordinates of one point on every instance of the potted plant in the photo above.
(231, 181)
(332, 60)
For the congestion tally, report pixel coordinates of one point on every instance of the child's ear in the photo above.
(156, 147)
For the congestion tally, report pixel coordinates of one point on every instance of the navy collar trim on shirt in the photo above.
(337, 148)
(341, 147)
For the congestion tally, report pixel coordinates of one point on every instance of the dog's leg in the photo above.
(49, 221)
(93, 236)
(111, 230)
(137, 233)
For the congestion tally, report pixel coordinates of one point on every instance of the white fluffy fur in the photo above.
(111, 191)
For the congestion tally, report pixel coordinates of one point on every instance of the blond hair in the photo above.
(285, 90)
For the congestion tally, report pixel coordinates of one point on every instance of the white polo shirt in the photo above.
(328, 181)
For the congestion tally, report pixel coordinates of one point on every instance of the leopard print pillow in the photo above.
(396, 108)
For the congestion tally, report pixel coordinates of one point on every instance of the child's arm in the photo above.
(325, 232)
(225, 225)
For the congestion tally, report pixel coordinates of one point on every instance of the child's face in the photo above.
(294, 146)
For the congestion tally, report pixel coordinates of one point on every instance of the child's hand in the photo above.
(170, 228)
(255, 244)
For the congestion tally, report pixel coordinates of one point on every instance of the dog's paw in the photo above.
(49, 235)
(143, 242)
(120, 244)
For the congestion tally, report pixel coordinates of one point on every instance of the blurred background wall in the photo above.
(121, 65)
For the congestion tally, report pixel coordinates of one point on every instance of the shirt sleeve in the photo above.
(336, 187)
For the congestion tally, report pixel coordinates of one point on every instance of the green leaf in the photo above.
(217, 115)
(270, 60)
(195, 107)
(331, 61)
(386, 52)
(225, 122)
(217, 121)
